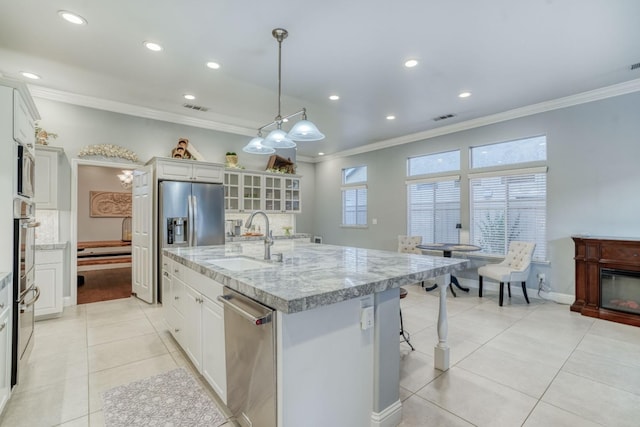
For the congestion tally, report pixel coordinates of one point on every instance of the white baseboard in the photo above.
(517, 290)
(391, 416)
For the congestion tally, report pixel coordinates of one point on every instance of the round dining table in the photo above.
(447, 249)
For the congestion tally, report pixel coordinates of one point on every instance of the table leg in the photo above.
(454, 280)
(441, 350)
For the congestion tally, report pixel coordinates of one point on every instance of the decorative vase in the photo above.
(232, 160)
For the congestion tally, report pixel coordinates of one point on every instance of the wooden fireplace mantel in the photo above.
(591, 255)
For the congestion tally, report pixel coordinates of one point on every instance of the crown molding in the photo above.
(555, 104)
(149, 113)
(135, 110)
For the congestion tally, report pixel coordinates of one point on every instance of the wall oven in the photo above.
(25, 292)
(25, 172)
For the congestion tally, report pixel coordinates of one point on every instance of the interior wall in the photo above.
(592, 185)
(79, 126)
(97, 178)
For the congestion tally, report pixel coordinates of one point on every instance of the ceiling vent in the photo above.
(443, 117)
(195, 107)
(635, 66)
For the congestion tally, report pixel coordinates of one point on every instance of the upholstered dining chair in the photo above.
(514, 268)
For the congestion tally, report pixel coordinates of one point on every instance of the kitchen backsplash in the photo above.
(48, 232)
(277, 222)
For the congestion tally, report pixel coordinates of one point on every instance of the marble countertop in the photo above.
(313, 275)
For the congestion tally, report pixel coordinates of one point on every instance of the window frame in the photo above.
(359, 209)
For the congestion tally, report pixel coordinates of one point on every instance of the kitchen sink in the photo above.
(240, 264)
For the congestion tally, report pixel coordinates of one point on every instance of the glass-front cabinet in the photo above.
(251, 192)
(292, 194)
(273, 193)
(232, 191)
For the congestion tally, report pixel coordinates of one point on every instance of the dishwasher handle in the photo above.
(227, 301)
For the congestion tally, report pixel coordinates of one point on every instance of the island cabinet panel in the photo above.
(326, 360)
(50, 278)
(196, 321)
(5, 344)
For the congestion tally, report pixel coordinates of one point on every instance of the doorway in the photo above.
(100, 232)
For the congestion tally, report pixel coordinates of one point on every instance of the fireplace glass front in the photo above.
(620, 290)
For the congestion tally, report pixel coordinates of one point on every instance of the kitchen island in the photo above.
(334, 365)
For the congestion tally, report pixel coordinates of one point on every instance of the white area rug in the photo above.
(171, 399)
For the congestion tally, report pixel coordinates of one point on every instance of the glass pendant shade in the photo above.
(255, 146)
(278, 139)
(305, 130)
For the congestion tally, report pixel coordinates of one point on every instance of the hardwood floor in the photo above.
(104, 285)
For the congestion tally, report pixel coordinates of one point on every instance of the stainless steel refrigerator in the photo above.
(189, 214)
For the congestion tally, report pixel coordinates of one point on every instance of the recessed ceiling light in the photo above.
(213, 65)
(153, 46)
(391, 117)
(464, 94)
(320, 154)
(30, 75)
(334, 97)
(72, 17)
(189, 96)
(411, 63)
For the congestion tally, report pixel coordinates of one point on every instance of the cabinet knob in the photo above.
(176, 330)
(176, 297)
(4, 325)
(1, 305)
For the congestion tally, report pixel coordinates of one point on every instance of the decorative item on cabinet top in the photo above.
(278, 164)
(108, 151)
(185, 150)
(42, 136)
(231, 160)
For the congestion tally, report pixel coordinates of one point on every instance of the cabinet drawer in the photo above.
(49, 256)
(626, 254)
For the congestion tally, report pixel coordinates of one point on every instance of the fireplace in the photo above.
(608, 278)
(620, 290)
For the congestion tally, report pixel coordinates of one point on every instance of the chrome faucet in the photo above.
(268, 238)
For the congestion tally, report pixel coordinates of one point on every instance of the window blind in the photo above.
(509, 206)
(354, 205)
(434, 210)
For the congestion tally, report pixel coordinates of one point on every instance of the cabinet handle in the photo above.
(176, 297)
(176, 330)
(165, 274)
(175, 270)
(4, 325)
(1, 305)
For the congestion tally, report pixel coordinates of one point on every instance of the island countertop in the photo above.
(312, 275)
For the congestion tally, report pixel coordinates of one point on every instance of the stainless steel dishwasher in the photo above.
(249, 329)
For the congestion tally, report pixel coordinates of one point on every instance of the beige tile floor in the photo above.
(517, 365)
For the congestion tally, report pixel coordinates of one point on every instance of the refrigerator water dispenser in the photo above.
(176, 230)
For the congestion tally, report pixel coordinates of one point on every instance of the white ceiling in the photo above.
(509, 54)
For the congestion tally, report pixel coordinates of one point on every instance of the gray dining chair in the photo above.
(514, 268)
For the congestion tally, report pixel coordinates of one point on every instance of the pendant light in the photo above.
(304, 130)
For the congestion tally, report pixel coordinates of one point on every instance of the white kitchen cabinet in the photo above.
(251, 192)
(188, 170)
(196, 321)
(5, 345)
(292, 195)
(232, 196)
(50, 276)
(23, 123)
(52, 175)
(213, 354)
(273, 194)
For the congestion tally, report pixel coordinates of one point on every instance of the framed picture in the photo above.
(109, 204)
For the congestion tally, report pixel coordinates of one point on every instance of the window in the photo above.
(433, 202)
(509, 204)
(510, 152)
(434, 210)
(354, 196)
